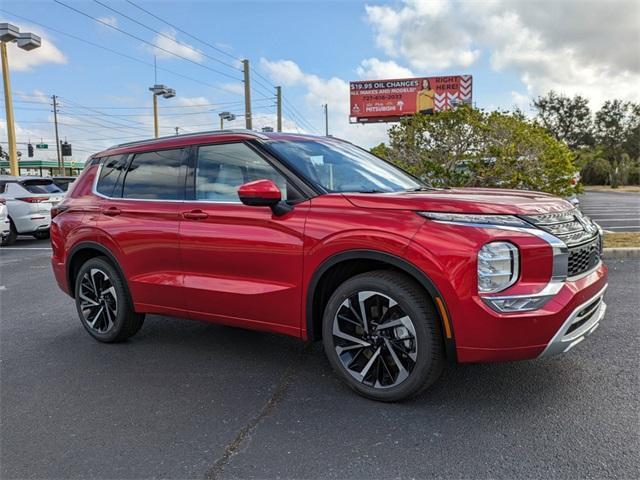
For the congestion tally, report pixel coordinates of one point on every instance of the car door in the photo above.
(139, 217)
(242, 264)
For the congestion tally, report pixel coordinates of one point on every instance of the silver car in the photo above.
(29, 201)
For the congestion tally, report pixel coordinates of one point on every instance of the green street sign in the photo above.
(42, 146)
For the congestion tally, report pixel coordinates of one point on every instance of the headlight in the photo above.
(497, 266)
(499, 220)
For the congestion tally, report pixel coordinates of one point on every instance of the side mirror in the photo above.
(263, 193)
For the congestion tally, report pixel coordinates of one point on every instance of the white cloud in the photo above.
(424, 34)
(374, 68)
(20, 60)
(110, 20)
(169, 45)
(569, 46)
(335, 92)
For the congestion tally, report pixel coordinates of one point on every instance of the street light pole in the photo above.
(230, 117)
(155, 116)
(8, 104)
(166, 92)
(26, 41)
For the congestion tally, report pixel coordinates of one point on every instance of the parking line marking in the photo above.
(25, 248)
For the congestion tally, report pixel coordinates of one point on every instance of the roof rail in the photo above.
(194, 134)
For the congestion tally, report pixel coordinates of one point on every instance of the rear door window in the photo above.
(158, 175)
(110, 183)
(222, 168)
(40, 186)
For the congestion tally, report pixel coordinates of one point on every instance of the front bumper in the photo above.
(485, 334)
(581, 323)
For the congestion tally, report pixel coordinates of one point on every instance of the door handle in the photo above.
(195, 215)
(111, 211)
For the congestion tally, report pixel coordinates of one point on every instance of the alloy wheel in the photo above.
(98, 300)
(375, 339)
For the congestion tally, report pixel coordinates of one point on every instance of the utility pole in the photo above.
(326, 119)
(247, 95)
(8, 104)
(55, 122)
(177, 130)
(278, 109)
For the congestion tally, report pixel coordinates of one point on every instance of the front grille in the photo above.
(583, 258)
(578, 232)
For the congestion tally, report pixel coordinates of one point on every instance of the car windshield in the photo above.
(40, 186)
(342, 167)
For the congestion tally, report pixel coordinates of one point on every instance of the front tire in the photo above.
(382, 336)
(103, 302)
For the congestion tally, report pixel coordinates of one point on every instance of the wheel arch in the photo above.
(316, 293)
(82, 252)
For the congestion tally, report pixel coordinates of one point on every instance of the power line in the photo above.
(96, 45)
(297, 116)
(183, 31)
(106, 24)
(271, 85)
(195, 105)
(234, 67)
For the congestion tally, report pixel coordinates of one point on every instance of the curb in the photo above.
(622, 252)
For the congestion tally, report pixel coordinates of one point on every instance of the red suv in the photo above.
(316, 238)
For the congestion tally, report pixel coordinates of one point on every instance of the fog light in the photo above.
(497, 267)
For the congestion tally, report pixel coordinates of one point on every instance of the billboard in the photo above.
(390, 100)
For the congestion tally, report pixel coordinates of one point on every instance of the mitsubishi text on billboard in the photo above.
(390, 100)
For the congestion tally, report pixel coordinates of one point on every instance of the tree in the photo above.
(617, 132)
(567, 119)
(468, 147)
(380, 150)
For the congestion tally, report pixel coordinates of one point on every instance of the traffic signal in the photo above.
(29, 150)
(65, 148)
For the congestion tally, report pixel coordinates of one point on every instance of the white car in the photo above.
(29, 201)
(5, 228)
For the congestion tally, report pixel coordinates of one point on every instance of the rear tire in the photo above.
(103, 302)
(12, 237)
(42, 235)
(400, 350)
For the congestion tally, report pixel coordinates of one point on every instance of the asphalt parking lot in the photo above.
(613, 211)
(190, 400)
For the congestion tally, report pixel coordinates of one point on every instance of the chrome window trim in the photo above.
(94, 190)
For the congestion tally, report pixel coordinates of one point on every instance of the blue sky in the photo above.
(514, 50)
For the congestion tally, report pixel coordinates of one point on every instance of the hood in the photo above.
(464, 200)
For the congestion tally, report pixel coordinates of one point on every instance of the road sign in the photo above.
(42, 146)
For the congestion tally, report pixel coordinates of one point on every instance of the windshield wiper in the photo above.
(421, 189)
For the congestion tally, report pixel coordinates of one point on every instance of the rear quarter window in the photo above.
(110, 180)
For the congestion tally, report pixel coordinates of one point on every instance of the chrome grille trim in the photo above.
(578, 232)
